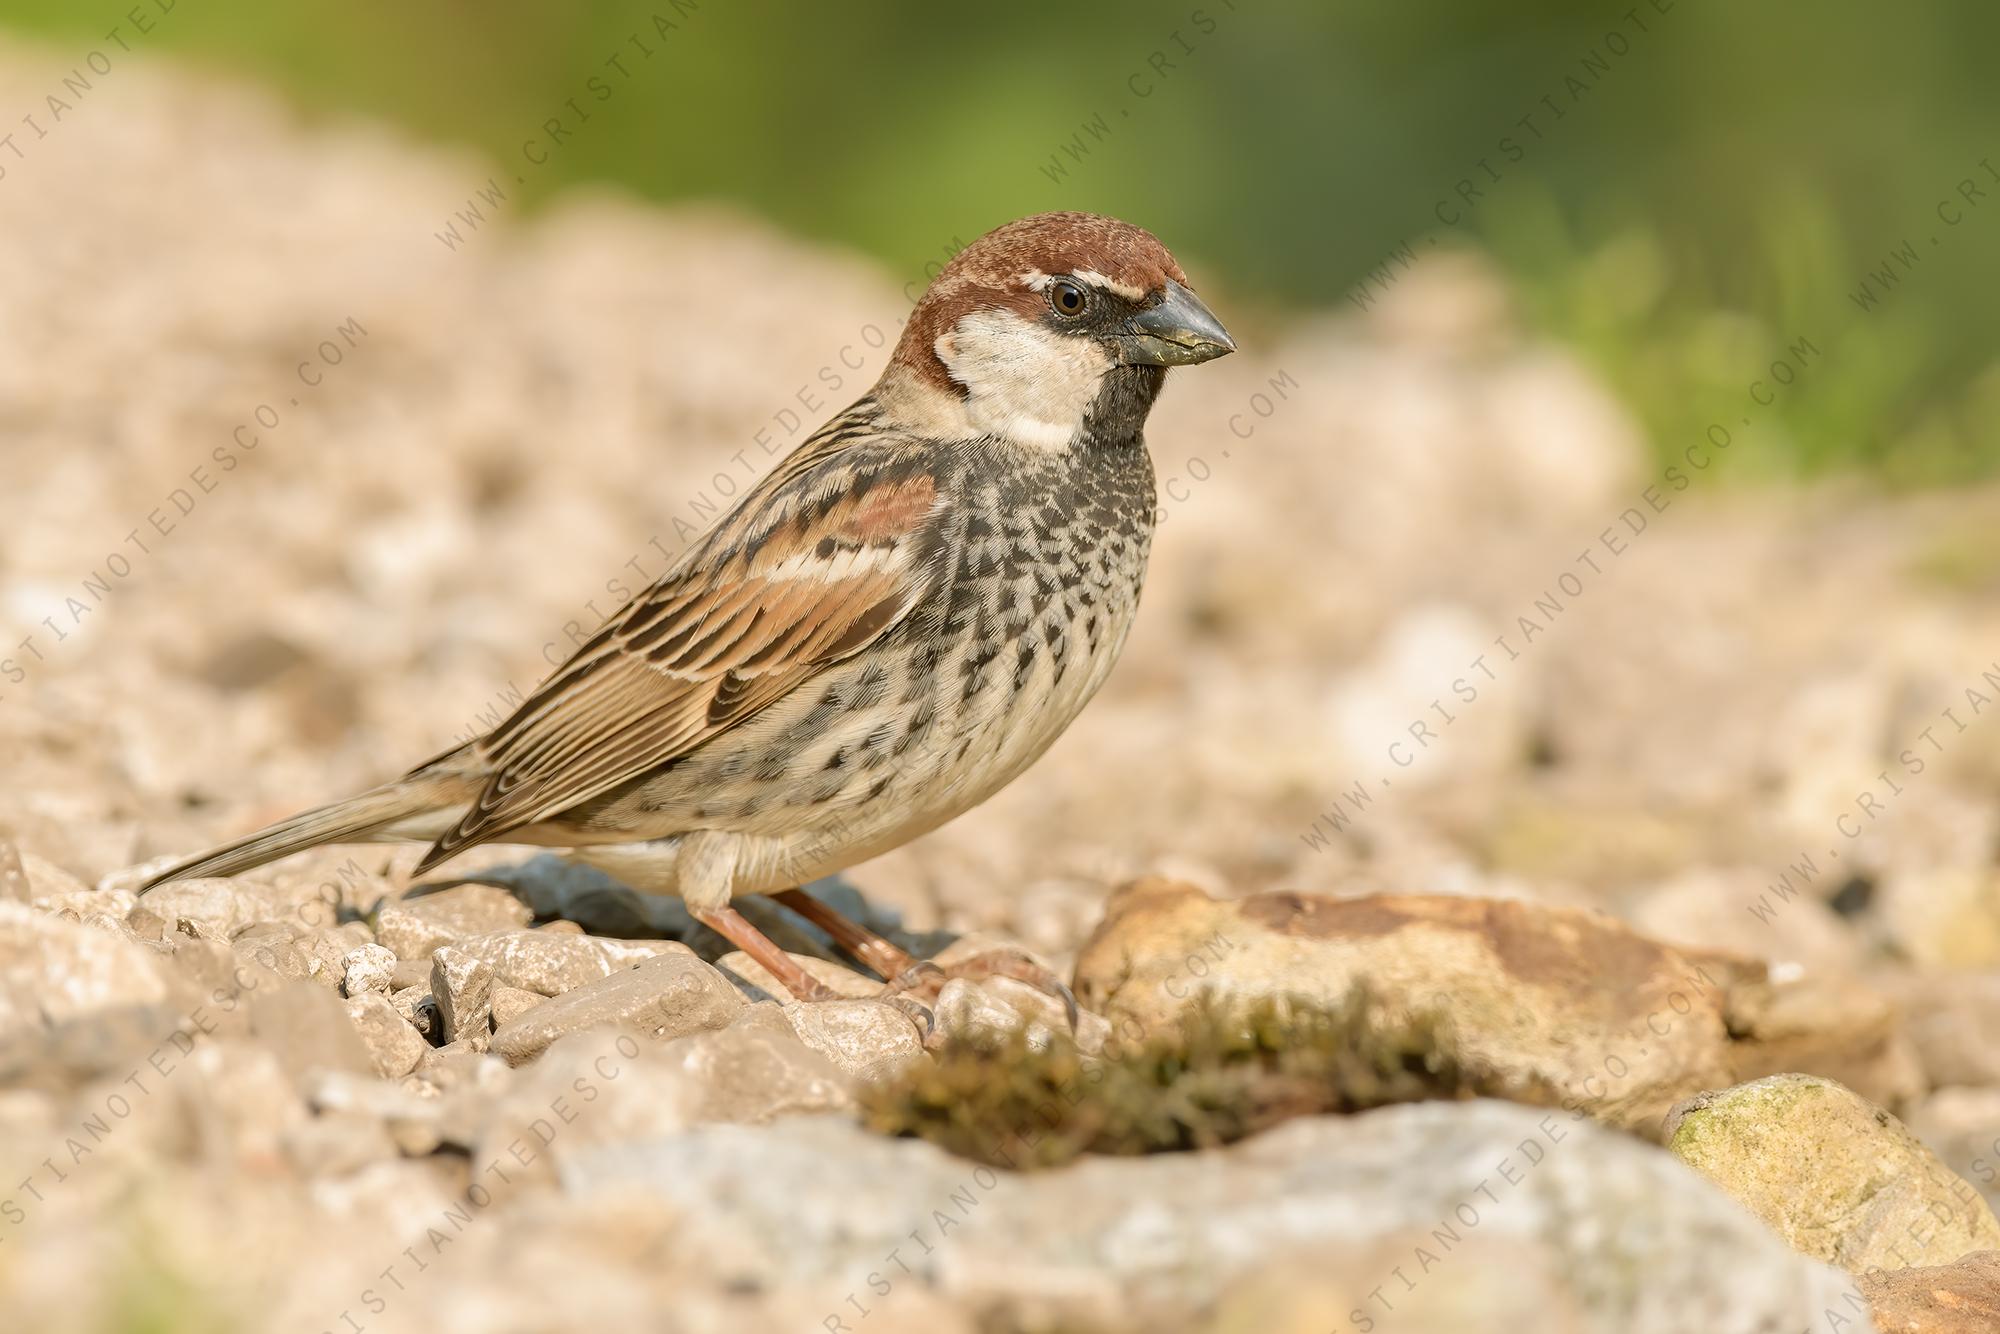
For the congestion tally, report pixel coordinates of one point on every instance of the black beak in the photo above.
(1179, 331)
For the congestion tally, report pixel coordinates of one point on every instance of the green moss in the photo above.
(1226, 1072)
(152, 1295)
(1693, 1136)
(1771, 1101)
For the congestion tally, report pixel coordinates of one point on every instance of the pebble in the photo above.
(413, 927)
(393, 1042)
(1962, 1297)
(212, 907)
(666, 996)
(418, 1008)
(51, 970)
(1837, 1177)
(869, 1039)
(462, 987)
(510, 1003)
(367, 968)
(551, 964)
(308, 1028)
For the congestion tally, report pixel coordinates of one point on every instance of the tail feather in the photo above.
(354, 819)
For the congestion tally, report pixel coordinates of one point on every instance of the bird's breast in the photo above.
(1044, 592)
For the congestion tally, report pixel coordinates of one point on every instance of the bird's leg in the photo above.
(879, 953)
(911, 976)
(735, 928)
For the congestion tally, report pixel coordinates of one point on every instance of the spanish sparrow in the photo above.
(885, 631)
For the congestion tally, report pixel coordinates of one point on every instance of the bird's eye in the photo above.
(1068, 298)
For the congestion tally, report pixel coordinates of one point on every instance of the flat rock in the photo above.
(510, 1003)
(757, 1069)
(1585, 1228)
(1837, 1177)
(551, 963)
(665, 996)
(868, 1039)
(1599, 1015)
(307, 1027)
(52, 970)
(276, 947)
(600, 1088)
(414, 926)
(393, 1043)
(298, 901)
(1962, 1297)
(214, 907)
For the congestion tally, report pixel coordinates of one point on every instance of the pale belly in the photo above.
(801, 815)
(989, 750)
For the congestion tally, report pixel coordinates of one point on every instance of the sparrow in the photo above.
(886, 630)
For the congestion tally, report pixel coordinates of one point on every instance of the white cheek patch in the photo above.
(1022, 382)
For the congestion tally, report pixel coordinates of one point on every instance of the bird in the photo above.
(892, 625)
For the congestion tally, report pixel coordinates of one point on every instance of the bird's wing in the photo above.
(821, 559)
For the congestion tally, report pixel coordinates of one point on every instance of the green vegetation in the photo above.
(152, 1293)
(1702, 188)
(1225, 1073)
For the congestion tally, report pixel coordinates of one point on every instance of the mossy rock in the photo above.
(1225, 1073)
(1836, 1176)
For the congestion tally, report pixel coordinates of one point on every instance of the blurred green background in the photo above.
(1721, 181)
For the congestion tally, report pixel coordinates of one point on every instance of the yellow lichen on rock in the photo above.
(1836, 1176)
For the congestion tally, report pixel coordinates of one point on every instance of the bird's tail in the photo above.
(357, 819)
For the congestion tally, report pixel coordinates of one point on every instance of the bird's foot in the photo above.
(926, 979)
(810, 989)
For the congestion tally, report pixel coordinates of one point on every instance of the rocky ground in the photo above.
(1675, 807)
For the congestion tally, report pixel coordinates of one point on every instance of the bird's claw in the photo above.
(918, 1014)
(925, 978)
(922, 976)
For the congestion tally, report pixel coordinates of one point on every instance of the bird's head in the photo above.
(1047, 326)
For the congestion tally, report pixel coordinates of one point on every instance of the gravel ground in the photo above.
(297, 494)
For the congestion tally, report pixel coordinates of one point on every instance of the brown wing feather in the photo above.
(823, 558)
